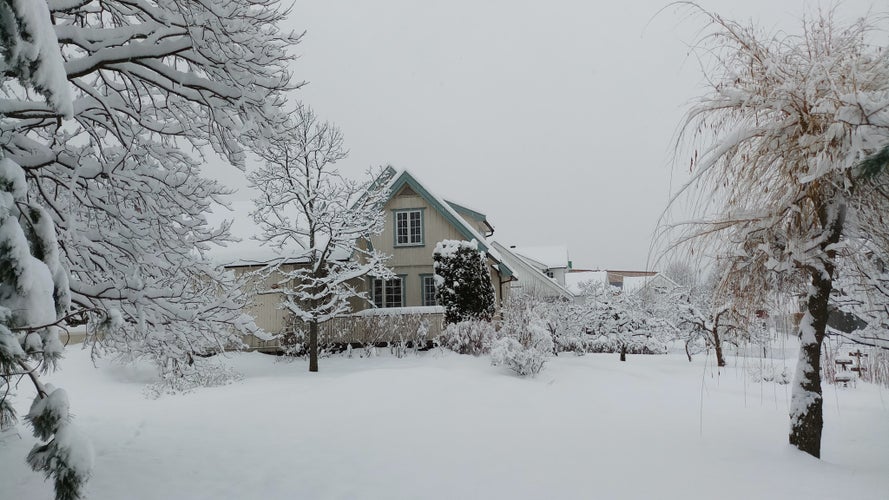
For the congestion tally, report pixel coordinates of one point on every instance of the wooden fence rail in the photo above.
(365, 330)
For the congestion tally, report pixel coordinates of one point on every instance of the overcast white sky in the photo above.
(554, 118)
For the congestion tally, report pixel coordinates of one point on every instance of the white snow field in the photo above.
(444, 426)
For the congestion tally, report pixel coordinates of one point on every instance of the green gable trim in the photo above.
(467, 211)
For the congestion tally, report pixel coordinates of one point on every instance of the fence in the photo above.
(369, 327)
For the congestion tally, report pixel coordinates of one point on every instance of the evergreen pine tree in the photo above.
(462, 281)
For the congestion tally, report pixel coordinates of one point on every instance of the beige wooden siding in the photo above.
(265, 308)
(411, 262)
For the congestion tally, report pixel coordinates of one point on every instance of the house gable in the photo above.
(411, 203)
(406, 183)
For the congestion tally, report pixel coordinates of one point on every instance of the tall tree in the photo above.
(305, 203)
(155, 86)
(777, 137)
(462, 281)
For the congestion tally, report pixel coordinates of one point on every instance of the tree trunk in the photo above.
(623, 353)
(806, 419)
(313, 346)
(717, 346)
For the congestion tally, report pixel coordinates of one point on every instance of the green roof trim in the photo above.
(467, 211)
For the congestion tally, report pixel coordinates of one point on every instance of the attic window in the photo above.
(409, 227)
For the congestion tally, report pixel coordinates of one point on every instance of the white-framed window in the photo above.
(409, 227)
(428, 282)
(388, 293)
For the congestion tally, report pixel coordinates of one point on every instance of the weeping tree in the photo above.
(775, 144)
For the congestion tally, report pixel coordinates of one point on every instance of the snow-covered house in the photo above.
(416, 219)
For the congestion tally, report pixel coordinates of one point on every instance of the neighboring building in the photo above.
(531, 277)
(578, 279)
(657, 283)
(626, 281)
(549, 260)
(616, 278)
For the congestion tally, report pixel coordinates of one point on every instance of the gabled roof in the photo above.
(549, 257)
(529, 272)
(472, 214)
(400, 179)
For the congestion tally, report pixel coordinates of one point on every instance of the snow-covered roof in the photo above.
(530, 276)
(249, 251)
(552, 257)
(574, 281)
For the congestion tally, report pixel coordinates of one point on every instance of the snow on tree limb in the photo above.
(31, 51)
(305, 203)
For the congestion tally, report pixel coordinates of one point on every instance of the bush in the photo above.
(523, 359)
(468, 337)
(462, 281)
(525, 342)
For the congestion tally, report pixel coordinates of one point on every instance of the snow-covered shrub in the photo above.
(468, 337)
(769, 372)
(524, 344)
(201, 372)
(462, 281)
(622, 322)
(525, 357)
(568, 324)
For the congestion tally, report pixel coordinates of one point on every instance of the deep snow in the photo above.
(448, 426)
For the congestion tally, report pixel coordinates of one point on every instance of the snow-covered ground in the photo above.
(448, 426)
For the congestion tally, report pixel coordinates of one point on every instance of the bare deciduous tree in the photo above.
(307, 204)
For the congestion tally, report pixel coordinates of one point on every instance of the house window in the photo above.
(409, 227)
(388, 293)
(429, 291)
